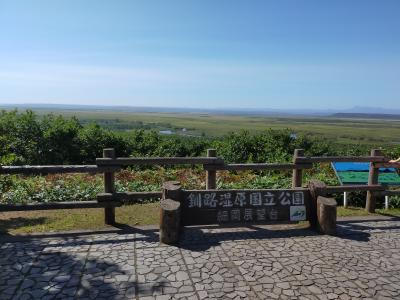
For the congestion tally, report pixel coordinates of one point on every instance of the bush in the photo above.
(26, 138)
(92, 139)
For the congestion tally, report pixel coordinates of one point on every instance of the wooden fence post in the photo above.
(317, 188)
(170, 213)
(372, 180)
(211, 175)
(323, 211)
(109, 187)
(326, 213)
(297, 179)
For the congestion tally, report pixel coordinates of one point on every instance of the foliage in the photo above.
(21, 135)
(268, 146)
(19, 189)
(92, 139)
(394, 202)
(26, 138)
(60, 142)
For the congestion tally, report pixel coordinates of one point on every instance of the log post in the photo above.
(372, 180)
(326, 213)
(297, 179)
(211, 175)
(109, 187)
(317, 188)
(170, 213)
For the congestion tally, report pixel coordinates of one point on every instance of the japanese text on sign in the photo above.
(244, 199)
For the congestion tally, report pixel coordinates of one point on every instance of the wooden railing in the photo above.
(52, 169)
(109, 164)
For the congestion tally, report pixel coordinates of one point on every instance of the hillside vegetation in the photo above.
(340, 129)
(27, 138)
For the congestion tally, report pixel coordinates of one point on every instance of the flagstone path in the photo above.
(361, 262)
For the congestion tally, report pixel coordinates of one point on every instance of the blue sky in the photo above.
(207, 54)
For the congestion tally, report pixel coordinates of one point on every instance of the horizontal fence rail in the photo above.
(259, 166)
(248, 190)
(328, 159)
(148, 161)
(386, 165)
(53, 169)
(128, 197)
(354, 188)
(391, 193)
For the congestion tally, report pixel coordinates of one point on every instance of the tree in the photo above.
(61, 141)
(93, 139)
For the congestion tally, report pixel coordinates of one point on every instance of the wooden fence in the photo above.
(109, 164)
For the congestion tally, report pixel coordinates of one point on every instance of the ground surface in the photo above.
(362, 262)
(18, 222)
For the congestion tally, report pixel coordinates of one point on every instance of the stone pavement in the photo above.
(255, 262)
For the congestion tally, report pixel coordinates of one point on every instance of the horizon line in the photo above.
(264, 109)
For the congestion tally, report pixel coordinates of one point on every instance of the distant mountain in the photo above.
(371, 110)
(357, 111)
(366, 116)
(138, 109)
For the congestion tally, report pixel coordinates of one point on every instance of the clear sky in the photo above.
(207, 54)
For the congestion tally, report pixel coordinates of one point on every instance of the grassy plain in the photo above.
(93, 219)
(341, 130)
(78, 219)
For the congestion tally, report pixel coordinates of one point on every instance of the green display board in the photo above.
(358, 177)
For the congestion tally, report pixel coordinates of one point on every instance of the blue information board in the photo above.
(357, 173)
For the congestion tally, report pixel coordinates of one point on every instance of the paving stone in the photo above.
(196, 254)
(265, 271)
(159, 256)
(361, 262)
(217, 275)
(68, 245)
(148, 240)
(230, 293)
(108, 272)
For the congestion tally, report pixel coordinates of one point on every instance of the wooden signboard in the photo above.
(201, 207)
